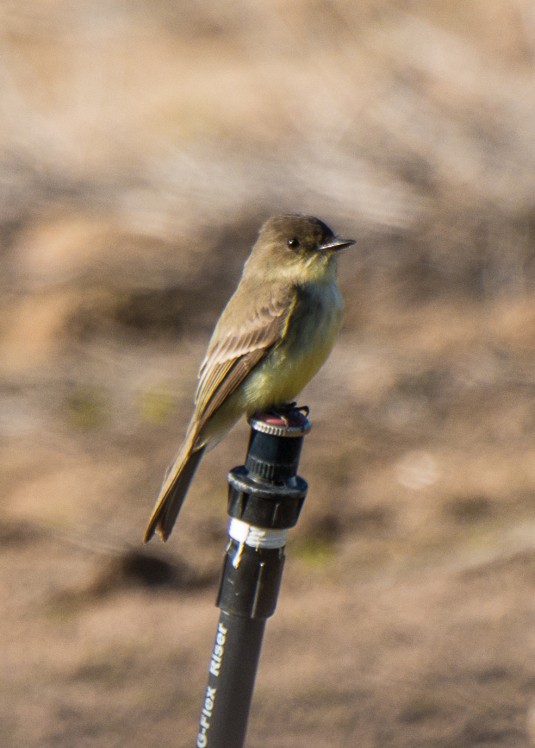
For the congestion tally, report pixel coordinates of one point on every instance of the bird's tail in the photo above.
(173, 492)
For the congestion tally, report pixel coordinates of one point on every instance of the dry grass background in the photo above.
(141, 145)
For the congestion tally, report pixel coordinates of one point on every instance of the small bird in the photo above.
(274, 334)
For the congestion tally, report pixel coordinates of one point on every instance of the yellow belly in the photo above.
(305, 347)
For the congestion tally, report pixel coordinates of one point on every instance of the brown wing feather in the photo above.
(238, 345)
(239, 370)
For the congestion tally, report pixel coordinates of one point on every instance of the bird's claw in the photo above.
(284, 413)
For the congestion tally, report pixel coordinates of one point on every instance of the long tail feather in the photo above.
(172, 495)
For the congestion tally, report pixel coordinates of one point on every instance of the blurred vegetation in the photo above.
(141, 146)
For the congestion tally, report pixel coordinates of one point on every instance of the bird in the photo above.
(274, 334)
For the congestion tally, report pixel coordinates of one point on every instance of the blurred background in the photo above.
(142, 144)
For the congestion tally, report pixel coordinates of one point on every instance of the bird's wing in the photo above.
(240, 341)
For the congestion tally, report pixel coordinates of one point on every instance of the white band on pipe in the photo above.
(256, 537)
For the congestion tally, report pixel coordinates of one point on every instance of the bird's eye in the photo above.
(293, 243)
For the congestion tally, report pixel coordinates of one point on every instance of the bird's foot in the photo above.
(287, 414)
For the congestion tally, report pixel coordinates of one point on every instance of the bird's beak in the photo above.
(335, 244)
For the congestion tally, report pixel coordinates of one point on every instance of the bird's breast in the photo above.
(302, 350)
